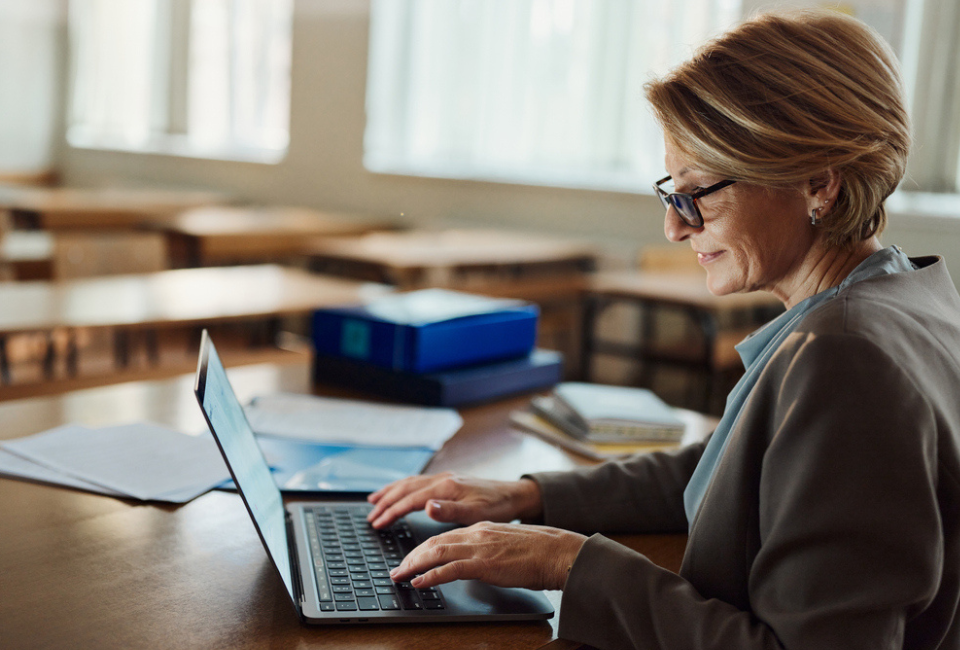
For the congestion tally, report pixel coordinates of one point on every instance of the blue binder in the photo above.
(539, 370)
(427, 331)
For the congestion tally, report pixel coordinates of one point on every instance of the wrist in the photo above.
(566, 557)
(527, 499)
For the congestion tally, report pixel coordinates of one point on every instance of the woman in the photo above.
(824, 511)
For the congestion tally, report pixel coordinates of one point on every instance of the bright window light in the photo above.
(530, 91)
(203, 78)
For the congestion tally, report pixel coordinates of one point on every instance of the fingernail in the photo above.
(394, 571)
(416, 582)
(435, 505)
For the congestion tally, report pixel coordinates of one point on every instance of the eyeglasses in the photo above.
(686, 204)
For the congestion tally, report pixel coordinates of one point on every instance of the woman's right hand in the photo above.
(457, 499)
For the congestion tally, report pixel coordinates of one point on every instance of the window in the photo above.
(930, 55)
(550, 91)
(532, 91)
(205, 78)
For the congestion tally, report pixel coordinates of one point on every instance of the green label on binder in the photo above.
(355, 339)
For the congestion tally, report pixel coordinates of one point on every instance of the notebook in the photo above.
(333, 565)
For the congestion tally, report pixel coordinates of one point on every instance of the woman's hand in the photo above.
(455, 499)
(506, 555)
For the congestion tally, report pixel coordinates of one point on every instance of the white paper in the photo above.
(352, 422)
(434, 306)
(14, 466)
(143, 460)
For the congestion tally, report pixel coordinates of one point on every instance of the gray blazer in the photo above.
(833, 519)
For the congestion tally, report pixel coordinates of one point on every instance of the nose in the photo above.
(675, 228)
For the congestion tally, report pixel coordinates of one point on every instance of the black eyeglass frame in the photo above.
(686, 204)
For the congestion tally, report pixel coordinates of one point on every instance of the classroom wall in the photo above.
(324, 167)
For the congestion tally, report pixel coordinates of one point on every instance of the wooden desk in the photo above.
(222, 235)
(67, 254)
(28, 255)
(89, 571)
(549, 272)
(55, 208)
(687, 293)
(170, 299)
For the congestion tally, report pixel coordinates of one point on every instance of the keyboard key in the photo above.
(408, 599)
(347, 606)
(327, 607)
(432, 604)
(379, 574)
(428, 594)
(344, 596)
(340, 581)
(342, 589)
(365, 592)
(382, 582)
(368, 604)
(323, 587)
(388, 601)
(384, 590)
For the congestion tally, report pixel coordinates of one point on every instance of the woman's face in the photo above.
(752, 238)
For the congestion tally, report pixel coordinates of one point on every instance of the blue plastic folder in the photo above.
(428, 330)
(311, 467)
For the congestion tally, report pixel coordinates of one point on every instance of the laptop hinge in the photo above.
(295, 566)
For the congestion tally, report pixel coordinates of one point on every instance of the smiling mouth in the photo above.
(706, 258)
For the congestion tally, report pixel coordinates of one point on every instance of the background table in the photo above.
(550, 272)
(89, 571)
(183, 298)
(219, 235)
(67, 254)
(54, 208)
(719, 323)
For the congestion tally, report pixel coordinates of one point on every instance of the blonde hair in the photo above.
(782, 98)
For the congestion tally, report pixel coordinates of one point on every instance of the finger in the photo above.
(450, 511)
(415, 501)
(456, 570)
(436, 551)
(389, 495)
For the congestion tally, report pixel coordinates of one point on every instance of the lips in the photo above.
(706, 258)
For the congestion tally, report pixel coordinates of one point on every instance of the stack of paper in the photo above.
(352, 422)
(142, 461)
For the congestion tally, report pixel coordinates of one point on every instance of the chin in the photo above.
(718, 287)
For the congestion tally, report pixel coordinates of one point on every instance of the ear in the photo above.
(822, 191)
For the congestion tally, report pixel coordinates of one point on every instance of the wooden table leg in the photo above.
(49, 357)
(121, 348)
(591, 307)
(4, 361)
(73, 353)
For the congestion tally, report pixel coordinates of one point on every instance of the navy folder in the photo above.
(538, 370)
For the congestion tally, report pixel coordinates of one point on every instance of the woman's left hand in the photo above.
(506, 555)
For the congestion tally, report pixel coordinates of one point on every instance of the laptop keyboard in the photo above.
(352, 562)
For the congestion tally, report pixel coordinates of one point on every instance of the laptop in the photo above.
(334, 566)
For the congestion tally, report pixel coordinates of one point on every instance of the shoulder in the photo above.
(888, 345)
(918, 308)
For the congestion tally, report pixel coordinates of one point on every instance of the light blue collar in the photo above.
(757, 349)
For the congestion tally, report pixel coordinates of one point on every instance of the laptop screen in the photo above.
(244, 459)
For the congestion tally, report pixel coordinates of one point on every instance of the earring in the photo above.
(815, 217)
